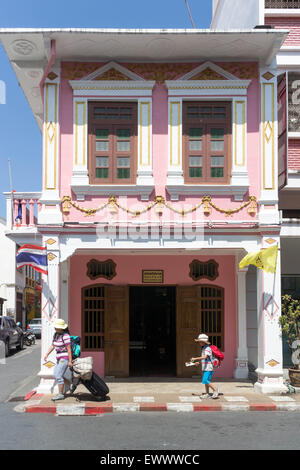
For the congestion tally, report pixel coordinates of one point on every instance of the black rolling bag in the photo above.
(96, 386)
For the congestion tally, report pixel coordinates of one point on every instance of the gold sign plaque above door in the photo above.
(152, 276)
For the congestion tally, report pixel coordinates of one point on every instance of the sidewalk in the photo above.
(160, 394)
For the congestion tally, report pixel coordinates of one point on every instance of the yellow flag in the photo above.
(265, 259)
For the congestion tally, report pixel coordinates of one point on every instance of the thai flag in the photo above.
(18, 219)
(32, 255)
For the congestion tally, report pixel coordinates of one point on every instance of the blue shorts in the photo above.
(207, 376)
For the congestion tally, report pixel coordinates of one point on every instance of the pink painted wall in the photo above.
(176, 272)
(292, 23)
(160, 142)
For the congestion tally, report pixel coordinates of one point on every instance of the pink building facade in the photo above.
(160, 172)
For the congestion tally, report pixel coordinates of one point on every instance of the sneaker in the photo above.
(205, 395)
(216, 394)
(59, 396)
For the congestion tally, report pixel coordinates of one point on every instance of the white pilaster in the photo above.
(239, 173)
(269, 213)
(145, 167)
(80, 142)
(50, 310)
(270, 371)
(64, 289)
(50, 198)
(175, 170)
(241, 361)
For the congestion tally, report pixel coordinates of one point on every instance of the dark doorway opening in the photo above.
(152, 331)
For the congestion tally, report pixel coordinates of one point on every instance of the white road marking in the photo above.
(189, 399)
(143, 399)
(233, 398)
(281, 398)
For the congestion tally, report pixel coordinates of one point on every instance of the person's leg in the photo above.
(215, 390)
(205, 382)
(59, 371)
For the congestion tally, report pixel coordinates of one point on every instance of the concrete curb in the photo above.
(94, 410)
(32, 404)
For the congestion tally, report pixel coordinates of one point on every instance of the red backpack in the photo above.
(218, 356)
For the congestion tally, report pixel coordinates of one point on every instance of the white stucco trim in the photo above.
(139, 91)
(115, 88)
(236, 91)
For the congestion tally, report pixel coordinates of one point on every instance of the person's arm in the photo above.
(70, 355)
(49, 351)
(197, 360)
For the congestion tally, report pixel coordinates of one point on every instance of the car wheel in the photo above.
(6, 348)
(21, 344)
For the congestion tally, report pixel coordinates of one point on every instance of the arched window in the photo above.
(93, 304)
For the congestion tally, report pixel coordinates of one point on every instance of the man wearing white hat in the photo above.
(62, 345)
(206, 359)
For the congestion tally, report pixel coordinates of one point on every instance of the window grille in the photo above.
(105, 269)
(93, 308)
(207, 269)
(212, 314)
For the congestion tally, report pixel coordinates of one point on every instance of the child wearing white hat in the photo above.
(62, 345)
(207, 365)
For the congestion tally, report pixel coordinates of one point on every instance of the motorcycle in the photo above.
(29, 338)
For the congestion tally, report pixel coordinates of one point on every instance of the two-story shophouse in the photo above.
(278, 14)
(160, 172)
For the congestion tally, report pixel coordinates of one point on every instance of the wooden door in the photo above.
(200, 309)
(188, 327)
(116, 344)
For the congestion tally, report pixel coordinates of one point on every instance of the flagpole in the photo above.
(11, 191)
(187, 5)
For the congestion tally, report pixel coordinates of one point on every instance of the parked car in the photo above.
(35, 325)
(10, 334)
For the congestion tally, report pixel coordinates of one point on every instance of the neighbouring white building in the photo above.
(12, 281)
(278, 14)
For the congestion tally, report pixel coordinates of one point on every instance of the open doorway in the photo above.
(152, 331)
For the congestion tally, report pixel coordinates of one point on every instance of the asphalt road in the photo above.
(167, 431)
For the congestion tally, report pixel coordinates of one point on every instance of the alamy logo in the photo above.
(2, 92)
(2, 352)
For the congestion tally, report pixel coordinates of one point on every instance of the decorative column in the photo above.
(80, 142)
(270, 368)
(268, 213)
(241, 361)
(64, 288)
(175, 170)
(50, 310)
(50, 198)
(145, 170)
(239, 173)
(31, 212)
(24, 214)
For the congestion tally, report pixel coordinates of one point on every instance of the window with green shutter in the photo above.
(112, 142)
(206, 142)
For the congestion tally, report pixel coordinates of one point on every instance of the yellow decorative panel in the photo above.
(50, 135)
(268, 124)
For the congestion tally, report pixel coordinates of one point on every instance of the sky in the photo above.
(20, 137)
